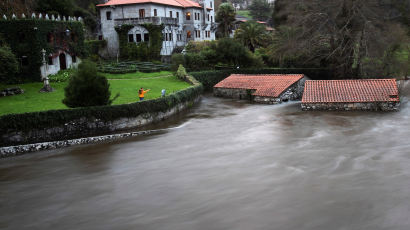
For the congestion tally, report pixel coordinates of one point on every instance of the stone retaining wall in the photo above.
(21, 149)
(89, 126)
(369, 106)
(239, 94)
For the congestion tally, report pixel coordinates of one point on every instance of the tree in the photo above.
(87, 88)
(234, 53)
(226, 17)
(260, 10)
(252, 35)
(62, 7)
(8, 64)
(343, 35)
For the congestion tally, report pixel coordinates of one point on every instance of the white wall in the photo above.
(55, 67)
(132, 11)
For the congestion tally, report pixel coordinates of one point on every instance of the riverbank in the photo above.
(57, 125)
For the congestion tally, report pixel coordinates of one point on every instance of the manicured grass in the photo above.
(136, 75)
(32, 100)
(244, 13)
(128, 89)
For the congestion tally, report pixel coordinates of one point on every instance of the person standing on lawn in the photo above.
(142, 93)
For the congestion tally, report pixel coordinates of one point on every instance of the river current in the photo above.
(223, 165)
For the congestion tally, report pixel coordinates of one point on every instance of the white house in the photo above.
(184, 20)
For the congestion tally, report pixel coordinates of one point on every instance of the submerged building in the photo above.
(372, 94)
(267, 89)
(183, 21)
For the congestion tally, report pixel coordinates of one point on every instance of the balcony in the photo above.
(152, 20)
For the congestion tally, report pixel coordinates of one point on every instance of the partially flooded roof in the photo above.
(339, 91)
(267, 85)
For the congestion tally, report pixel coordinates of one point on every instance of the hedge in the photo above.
(56, 118)
(212, 77)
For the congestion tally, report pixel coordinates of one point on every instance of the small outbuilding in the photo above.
(266, 89)
(371, 94)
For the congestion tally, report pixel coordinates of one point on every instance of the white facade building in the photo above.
(184, 20)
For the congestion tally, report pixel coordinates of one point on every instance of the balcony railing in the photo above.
(153, 20)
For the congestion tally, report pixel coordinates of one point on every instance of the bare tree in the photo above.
(348, 36)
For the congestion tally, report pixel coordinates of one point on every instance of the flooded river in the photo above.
(224, 165)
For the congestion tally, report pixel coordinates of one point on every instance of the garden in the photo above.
(126, 85)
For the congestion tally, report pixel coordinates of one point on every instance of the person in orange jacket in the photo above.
(142, 93)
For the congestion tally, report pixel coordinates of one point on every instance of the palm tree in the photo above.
(252, 35)
(225, 17)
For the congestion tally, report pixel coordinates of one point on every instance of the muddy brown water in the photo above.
(223, 165)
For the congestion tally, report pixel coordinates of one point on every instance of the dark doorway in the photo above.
(63, 64)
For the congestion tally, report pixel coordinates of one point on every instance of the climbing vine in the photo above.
(122, 31)
(128, 50)
(155, 40)
(27, 37)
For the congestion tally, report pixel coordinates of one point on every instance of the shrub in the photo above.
(181, 73)
(232, 52)
(176, 60)
(198, 46)
(8, 65)
(62, 75)
(87, 87)
(195, 61)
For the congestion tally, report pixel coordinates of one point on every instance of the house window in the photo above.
(197, 33)
(211, 4)
(179, 37)
(155, 12)
(212, 18)
(165, 36)
(170, 14)
(130, 38)
(74, 59)
(177, 14)
(142, 13)
(108, 15)
(188, 34)
(170, 36)
(139, 39)
(50, 60)
(100, 37)
(50, 38)
(24, 61)
(208, 17)
(146, 37)
(188, 16)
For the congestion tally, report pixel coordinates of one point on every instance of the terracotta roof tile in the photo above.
(270, 85)
(178, 3)
(339, 91)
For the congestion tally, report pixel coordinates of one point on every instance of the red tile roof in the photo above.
(372, 90)
(270, 85)
(177, 3)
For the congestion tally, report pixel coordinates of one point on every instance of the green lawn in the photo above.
(244, 13)
(32, 100)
